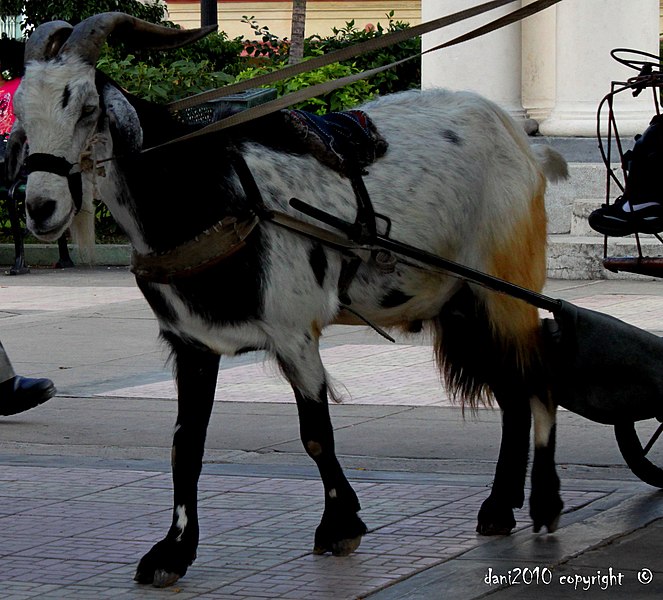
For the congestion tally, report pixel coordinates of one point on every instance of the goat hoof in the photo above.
(551, 527)
(164, 579)
(339, 539)
(163, 565)
(495, 518)
(64, 264)
(493, 529)
(547, 516)
(339, 548)
(546, 512)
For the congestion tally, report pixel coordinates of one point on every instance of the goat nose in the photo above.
(41, 209)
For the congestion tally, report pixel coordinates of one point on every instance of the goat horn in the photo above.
(46, 40)
(89, 35)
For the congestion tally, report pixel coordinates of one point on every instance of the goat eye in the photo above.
(88, 110)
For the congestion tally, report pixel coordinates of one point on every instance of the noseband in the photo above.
(58, 165)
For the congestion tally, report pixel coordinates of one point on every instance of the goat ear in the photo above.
(46, 41)
(17, 151)
(123, 121)
(89, 35)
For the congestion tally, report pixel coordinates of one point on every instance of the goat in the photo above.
(459, 180)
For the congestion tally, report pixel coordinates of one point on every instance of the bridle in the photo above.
(58, 165)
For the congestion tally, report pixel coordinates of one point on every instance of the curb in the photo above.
(46, 255)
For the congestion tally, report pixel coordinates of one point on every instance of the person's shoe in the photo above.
(23, 393)
(624, 218)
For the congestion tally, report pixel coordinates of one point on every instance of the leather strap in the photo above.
(58, 165)
(206, 250)
(287, 100)
(339, 55)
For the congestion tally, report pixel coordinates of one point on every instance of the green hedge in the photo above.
(216, 61)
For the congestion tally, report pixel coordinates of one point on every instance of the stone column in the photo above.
(586, 31)
(538, 50)
(489, 65)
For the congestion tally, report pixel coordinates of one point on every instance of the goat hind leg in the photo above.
(545, 501)
(169, 559)
(508, 492)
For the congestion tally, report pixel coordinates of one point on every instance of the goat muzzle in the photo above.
(58, 165)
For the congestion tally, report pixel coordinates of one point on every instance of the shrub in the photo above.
(400, 78)
(164, 82)
(403, 77)
(215, 52)
(338, 99)
(266, 45)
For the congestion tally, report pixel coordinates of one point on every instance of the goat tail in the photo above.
(552, 163)
(549, 160)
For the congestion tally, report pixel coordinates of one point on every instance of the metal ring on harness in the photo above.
(58, 165)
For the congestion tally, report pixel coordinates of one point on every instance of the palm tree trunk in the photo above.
(297, 32)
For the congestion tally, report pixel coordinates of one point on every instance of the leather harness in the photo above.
(345, 142)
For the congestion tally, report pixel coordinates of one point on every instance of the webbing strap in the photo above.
(49, 163)
(58, 165)
(338, 55)
(287, 100)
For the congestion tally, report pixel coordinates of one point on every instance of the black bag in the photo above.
(644, 164)
(603, 368)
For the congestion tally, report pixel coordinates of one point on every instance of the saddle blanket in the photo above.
(345, 141)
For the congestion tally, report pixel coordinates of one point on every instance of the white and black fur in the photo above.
(459, 180)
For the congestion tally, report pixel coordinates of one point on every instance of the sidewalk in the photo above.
(85, 484)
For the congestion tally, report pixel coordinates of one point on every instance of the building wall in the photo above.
(321, 15)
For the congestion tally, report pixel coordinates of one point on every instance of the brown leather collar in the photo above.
(206, 250)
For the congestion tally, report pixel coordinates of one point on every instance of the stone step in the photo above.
(581, 257)
(581, 210)
(585, 187)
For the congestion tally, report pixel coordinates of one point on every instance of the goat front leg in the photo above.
(20, 266)
(340, 530)
(196, 372)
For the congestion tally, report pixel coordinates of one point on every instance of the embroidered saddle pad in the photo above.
(344, 141)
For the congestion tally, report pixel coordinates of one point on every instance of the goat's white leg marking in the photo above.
(544, 421)
(182, 520)
(545, 502)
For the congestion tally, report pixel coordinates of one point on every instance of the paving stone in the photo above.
(78, 533)
(255, 542)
